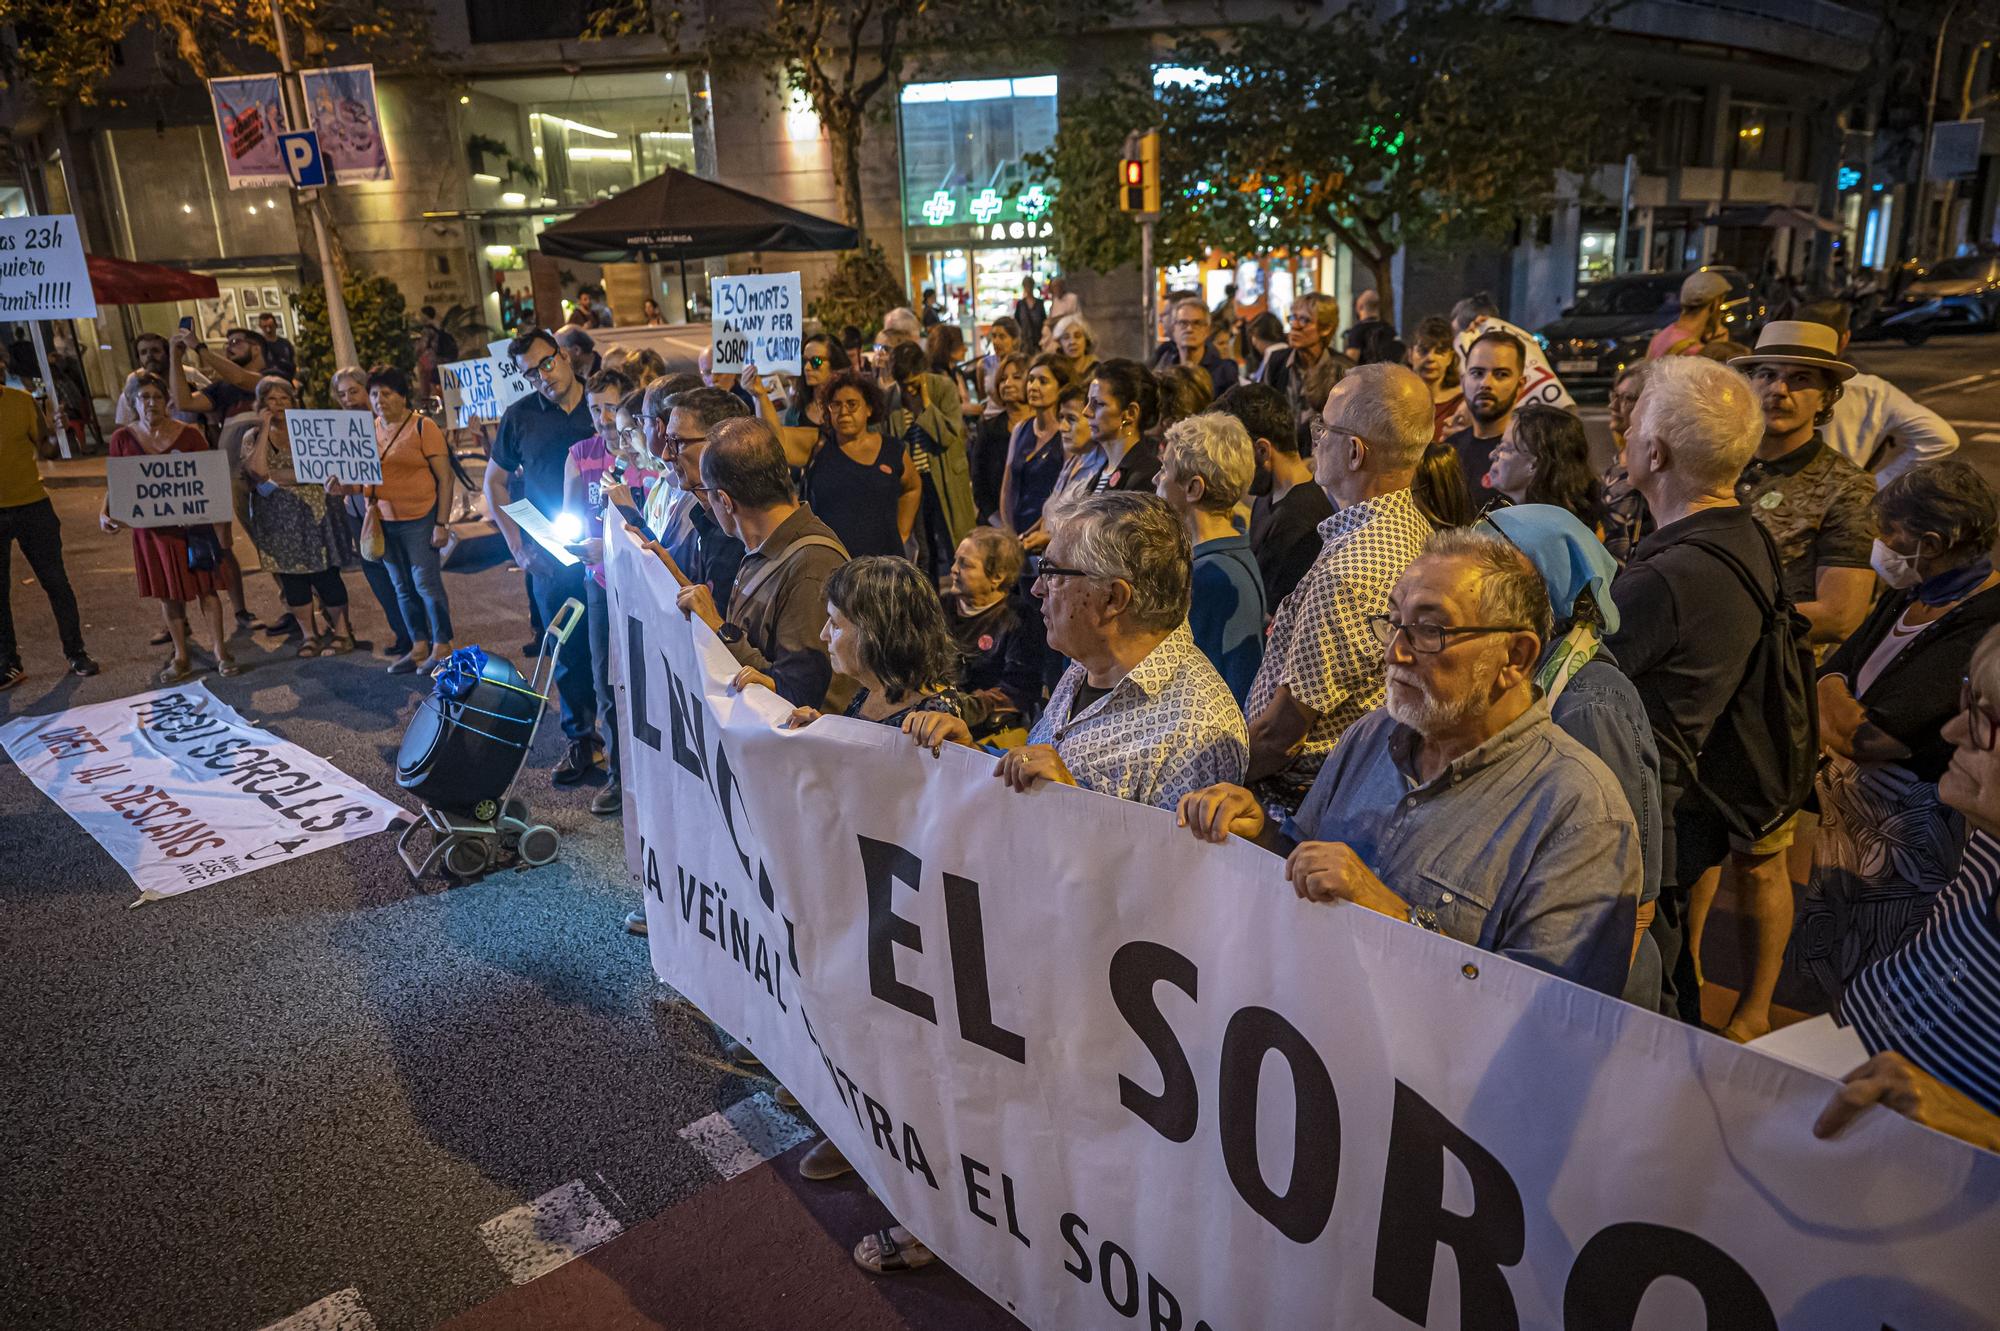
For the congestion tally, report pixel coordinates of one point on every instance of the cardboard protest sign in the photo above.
(471, 391)
(44, 273)
(334, 446)
(169, 489)
(759, 320)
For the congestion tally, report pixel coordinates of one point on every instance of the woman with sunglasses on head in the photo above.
(1890, 837)
(298, 528)
(1928, 1013)
(174, 565)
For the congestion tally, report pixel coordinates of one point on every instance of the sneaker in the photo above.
(579, 760)
(533, 649)
(608, 802)
(635, 923)
(287, 626)
(405, 664)
(401, 647)
(11, 674)
(81, 664)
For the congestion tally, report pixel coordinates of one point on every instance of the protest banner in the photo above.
(169, 489)
(1117, 1077)
(759, 320)
(44, 273)
(509, 385)
(334, 446)
(341, 107)
(181, 792)
(250, 115)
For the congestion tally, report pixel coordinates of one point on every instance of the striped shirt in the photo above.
(1936, 999)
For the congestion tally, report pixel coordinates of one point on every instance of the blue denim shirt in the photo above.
(1524, 846)
(1601, 710)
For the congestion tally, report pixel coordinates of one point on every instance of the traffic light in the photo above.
(1139, 177)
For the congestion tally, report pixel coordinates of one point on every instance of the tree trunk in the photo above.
(1382, 267)
(844, 133)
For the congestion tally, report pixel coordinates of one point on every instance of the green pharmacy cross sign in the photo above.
(987, 207)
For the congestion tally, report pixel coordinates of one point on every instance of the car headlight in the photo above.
(1542, 340)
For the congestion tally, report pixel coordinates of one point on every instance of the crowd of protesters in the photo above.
(1344, 598)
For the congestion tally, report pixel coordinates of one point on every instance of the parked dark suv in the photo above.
(1612, 321)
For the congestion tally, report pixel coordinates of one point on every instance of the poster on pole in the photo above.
(250, 115)
(169, 489)
(509, 385)
(334, 446)
(760, 321)
(342, 109)
(181, 791)
(44, 273)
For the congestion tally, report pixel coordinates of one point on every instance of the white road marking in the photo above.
(536, 1237)
(1974, 425)
(339, 1311)
(1990, 437)
(1966, 382)
(745, 1135)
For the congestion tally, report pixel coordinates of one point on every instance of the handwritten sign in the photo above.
(758, 321)
(471, 391)
(530, 520)
(334, 446)
(511, 385)
(169, 490)
(43, 271)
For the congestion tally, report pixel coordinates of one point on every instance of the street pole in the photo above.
(1149, 325)
(1624, 216)
(50, 398)
(1918, 220)
(337, 326)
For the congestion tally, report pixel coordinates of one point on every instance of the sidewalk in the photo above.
(58, 473)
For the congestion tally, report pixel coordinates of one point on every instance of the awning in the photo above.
(123, 282)
(1774, 218)
(676, 215)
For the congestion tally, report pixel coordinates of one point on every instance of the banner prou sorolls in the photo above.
(1118, 1077)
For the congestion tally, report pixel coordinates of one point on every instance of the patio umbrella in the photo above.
(123, 282)
(677, 215)
(1775, 218)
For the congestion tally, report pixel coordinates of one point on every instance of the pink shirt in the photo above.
(1673, 340)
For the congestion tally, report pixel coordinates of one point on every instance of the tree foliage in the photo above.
(843, 54)
(382, 331)
(862, 287)
(66, 49)
(1447, 121)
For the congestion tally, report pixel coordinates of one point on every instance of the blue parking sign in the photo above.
(302, 160)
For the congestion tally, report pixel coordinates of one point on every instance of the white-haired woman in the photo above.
(1206, 465)
(1077, 340)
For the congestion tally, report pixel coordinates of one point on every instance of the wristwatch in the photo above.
(730, 634)
(1425, 919)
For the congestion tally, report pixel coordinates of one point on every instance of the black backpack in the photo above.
(1758, 765)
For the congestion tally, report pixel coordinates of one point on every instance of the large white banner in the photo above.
(182, 792)
(1116, 1076)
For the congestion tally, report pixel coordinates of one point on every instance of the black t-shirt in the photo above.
(535, 438)
(1135, 471)
(227, 399)
(1086, 694)
(1475, 455)
(1285, 537)
(1686, 623)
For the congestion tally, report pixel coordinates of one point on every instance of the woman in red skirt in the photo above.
(161, 555)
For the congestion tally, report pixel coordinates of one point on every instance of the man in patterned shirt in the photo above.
(1322, 666)
(1140, 713)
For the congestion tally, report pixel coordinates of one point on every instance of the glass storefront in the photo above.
(975, 218)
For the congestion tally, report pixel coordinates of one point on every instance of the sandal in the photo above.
(337, 644)
(824, 1162)
(177, 671)
(309, 648)
(160, 640)
(891, 1257)
(228, 667)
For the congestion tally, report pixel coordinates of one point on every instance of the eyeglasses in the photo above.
(634, 436)
(1044, 569)
(1430, 639)
(1323, 434)
(816, 362)
(1190, 324)
(540, 369)
(674, 443)
(1981, 726)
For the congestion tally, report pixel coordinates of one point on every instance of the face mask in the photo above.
(1899, 571)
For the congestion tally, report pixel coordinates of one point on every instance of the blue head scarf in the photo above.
(1572, 561)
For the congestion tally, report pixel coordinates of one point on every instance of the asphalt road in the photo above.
(221, 1108)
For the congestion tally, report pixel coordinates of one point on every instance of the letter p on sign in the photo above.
(302, 160)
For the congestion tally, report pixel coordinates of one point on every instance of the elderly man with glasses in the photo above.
(1322, 669)
(677, 425)
(1140, 713)
(1190, 345)
(1460, 806)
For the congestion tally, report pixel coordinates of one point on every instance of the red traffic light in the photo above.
(1134, 172)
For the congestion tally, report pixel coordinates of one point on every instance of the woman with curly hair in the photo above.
(1544, 458)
